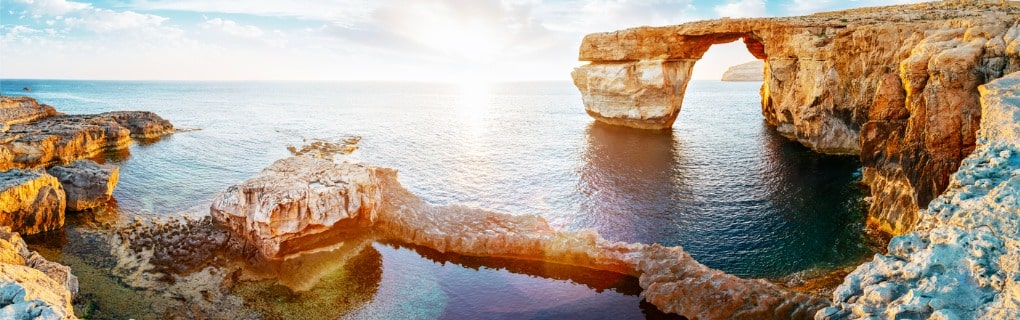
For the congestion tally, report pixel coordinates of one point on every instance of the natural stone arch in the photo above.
(637, 92)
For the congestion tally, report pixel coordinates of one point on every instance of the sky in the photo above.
(377, 40)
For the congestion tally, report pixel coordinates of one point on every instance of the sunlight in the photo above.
(474, 103)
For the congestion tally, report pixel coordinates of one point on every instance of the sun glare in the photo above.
(475, 101)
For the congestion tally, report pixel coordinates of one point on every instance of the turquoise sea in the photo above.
(736, 195)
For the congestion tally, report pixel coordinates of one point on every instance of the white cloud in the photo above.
(741, 9)
(53, 7)
(232, 28)
(102, 20)
(803, 7)
(339, 11)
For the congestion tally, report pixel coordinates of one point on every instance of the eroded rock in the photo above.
(672, 279)
(295, 199)
(44, 138)
(86, 183)
(32, 287)
(963, 260)
(31, 201)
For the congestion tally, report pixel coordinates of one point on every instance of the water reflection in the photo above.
(631, 180)
(765, 207)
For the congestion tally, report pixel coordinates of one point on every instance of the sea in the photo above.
(722, 184)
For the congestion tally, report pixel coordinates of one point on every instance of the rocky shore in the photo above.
(44, 171)
(897, 85)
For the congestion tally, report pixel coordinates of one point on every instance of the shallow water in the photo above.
(723, 185)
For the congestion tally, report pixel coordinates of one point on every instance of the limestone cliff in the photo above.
(963, 261)
(31, 201)
(748, 71)
(897, 85)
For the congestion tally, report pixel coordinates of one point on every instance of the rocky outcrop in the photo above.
(748, 71)
(295, 200)
(14, 110)
(86, 183)
(31, 201)
(897, 85)
(59, 138)
(299, 202)
(963, 261)
(30, 286)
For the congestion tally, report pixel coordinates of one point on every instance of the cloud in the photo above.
(53, 7)
(103, 20)
(347, 12)
(803, 7)
(741, 9)
(232, 28)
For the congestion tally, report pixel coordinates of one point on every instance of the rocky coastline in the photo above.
(896, 85)
(45, 171)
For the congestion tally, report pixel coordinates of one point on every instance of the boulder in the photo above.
(296, 199)
(86, 183)
(31, 201)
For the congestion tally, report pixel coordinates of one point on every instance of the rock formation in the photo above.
(34, 135)
(748, 71)
(897, 85)
(302, 202)
(296, 199)
(86, 183)
(31, 201)
(30, 286)
(963, 261)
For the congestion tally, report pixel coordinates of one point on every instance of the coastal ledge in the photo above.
(300, 203)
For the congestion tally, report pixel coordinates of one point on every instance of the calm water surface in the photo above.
(723, 185)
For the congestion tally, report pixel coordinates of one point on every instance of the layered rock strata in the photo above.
(298, 202)
(295, 199)
(38, 136)
(963, 261)
(30, 286)
(31, 201)
(86, 183)
(748, 71)
(897, 85)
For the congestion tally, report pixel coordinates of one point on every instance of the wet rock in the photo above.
(86, 183)
(297, 197)
(31, 201)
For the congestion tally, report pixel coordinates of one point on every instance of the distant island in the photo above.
(748, 71)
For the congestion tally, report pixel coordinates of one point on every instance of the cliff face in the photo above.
(896, 85)
(963, 260)
(748, 71)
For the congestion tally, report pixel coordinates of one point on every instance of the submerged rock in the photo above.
(299, 201)
(86, 183)
(748, 71)
(31, 201)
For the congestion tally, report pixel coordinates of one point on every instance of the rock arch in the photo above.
(895, 85)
